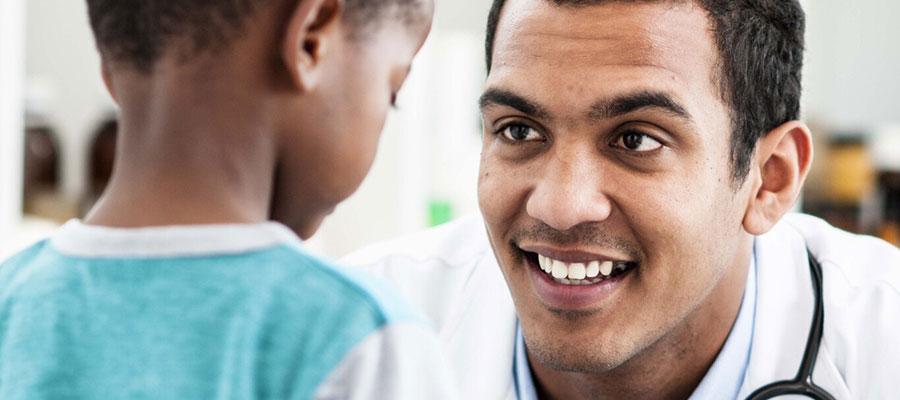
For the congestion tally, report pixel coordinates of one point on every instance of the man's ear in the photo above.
(310, 30)
(781, 163)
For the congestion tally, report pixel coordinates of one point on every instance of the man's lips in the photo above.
(572, 280)
(573, 255)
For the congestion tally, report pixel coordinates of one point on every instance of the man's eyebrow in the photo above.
(501, 97)
(621, 105)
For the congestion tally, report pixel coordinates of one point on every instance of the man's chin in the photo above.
(577, 358)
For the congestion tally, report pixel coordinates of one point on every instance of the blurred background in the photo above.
(58, 130)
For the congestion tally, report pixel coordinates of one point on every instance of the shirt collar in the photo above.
(726, 376)
(76, 239)
(722, 381)
(525, 389)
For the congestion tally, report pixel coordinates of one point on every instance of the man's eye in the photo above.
(638, 142)
(520, 133)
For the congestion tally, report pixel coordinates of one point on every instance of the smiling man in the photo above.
(638, 164)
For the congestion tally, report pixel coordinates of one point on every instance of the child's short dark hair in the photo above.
(137, 33)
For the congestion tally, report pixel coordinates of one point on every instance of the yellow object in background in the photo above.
(890, 232)
(851, 174)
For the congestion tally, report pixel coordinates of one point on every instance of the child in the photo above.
(233, 112)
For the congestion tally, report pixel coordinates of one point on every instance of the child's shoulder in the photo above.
(26, 254)
(17, 263)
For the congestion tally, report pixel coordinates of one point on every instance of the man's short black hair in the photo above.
(137, 33)
(760, 44)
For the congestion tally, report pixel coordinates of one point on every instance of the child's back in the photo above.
(176, 286)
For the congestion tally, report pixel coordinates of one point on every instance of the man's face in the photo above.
(606, 163)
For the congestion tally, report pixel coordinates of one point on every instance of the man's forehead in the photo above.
(619, 46)
(614, 32)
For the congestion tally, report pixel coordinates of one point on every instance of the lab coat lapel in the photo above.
(784, 310)
(480, 335)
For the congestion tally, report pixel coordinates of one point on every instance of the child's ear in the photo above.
(107, 80)
(311, 29)
(778, 170)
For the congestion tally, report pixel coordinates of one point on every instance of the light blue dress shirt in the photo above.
(722, 381)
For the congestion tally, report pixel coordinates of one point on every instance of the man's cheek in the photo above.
(490, 191)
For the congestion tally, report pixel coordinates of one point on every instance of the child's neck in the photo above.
(162, 198)
(190, 157)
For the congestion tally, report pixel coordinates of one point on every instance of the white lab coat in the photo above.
(450, 273)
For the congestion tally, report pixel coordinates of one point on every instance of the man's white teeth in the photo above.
(546, 264)
(606, 268)
(560, 270)
(575, 272)
(593, 269)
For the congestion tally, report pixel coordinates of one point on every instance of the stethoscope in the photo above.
(802, 384)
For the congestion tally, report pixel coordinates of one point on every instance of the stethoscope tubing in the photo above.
(802, 384)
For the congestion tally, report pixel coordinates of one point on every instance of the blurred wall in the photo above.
(852, 78)
(64, 80)
(11, 74)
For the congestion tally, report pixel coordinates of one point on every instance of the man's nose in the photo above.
(568, 194)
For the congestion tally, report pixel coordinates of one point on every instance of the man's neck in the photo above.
(671, 368)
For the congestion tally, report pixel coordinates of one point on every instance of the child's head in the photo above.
(324, 72)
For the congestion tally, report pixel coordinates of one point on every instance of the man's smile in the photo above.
(582, 273)
(573, 280)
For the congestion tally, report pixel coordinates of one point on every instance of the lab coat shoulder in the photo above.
(430, 268)
(861, 261)
(453, 244)
(859, 357)
(862, 306)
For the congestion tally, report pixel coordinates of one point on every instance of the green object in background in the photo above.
(439, 212)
